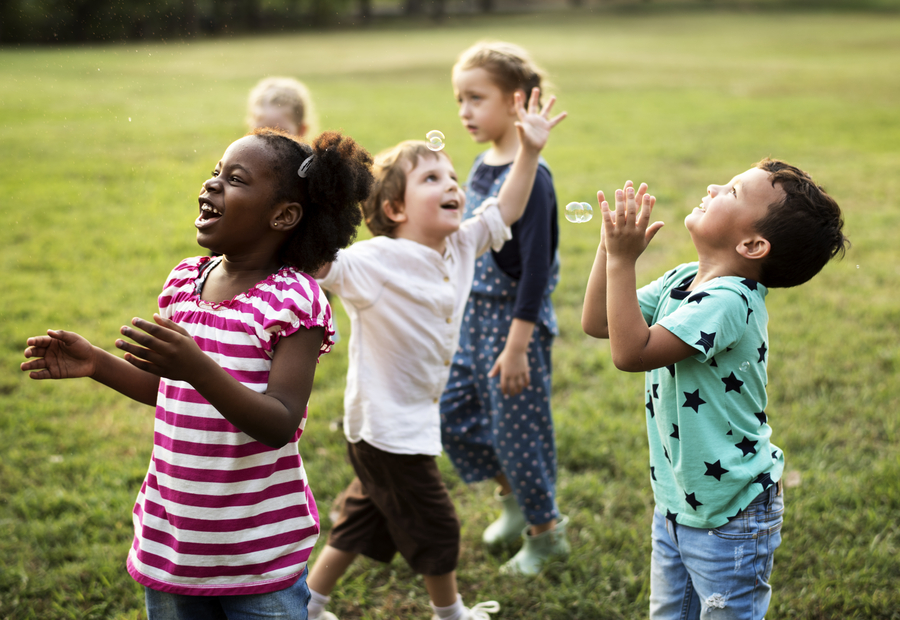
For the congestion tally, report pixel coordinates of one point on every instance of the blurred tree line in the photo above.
(74, 21)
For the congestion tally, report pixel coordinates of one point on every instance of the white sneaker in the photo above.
(481, 611)
(326, 615)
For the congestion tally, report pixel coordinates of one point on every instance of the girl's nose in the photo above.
(712, 190)
(209, 184)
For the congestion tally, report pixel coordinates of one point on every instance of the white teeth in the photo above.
(206, 207)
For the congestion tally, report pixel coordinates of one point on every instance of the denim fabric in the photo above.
(287, 604)
(716, 574)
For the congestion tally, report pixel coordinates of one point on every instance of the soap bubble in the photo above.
(435, 140)
(745, 366)
(579, 212)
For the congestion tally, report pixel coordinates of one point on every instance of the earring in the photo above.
(276, 224)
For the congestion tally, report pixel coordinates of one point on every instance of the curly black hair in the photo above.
(337, 181)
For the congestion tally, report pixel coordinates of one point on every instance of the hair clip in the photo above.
(304, 167)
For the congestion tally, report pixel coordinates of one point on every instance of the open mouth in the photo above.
(450, 206)
(208, 214)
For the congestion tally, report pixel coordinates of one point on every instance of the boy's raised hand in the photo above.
(626, 233)
(59, 355)
(534, 125)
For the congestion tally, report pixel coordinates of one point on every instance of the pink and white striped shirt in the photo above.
(220, 513)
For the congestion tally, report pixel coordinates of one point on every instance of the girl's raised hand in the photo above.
(166, 349)
(59, 355)
(626, 233)
(534, 125)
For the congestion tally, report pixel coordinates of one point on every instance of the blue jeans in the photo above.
(716, 574)
(287, 604)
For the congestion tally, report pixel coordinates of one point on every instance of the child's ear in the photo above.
(754, 248)
(394, 211)
(287, 216)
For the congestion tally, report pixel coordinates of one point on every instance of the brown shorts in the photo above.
(398, 502)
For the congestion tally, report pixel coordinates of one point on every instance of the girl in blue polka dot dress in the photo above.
(495, 411)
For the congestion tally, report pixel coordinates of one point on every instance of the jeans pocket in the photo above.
(757, 519)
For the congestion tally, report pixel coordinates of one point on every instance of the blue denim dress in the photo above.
(484, 432)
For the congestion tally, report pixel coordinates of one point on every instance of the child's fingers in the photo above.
(652, 230)
(553, 122)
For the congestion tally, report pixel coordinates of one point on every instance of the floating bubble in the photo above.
(435, 140)
(579, 212)
(745, 366)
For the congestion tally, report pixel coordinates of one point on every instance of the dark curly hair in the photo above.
(337, 181)
(803, 230)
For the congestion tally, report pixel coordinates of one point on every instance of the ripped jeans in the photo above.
(716, 574)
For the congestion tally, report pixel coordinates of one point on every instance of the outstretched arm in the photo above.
(67, 355)
(533, 129)
(634, 345)
(165, 349)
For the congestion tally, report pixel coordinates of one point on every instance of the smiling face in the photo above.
(486, 111)
(432, 203)
(728, 213)
(236, 203)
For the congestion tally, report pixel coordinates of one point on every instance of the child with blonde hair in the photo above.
(496, 414)
(282, 103)
(405, 290)
(225, 520)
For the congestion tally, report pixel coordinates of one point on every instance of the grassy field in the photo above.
(102, 150)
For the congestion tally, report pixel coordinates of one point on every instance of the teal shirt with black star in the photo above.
(710, 442)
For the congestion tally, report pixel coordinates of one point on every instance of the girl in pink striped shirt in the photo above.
(224, 522)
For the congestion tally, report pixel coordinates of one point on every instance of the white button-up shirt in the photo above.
(406, 303)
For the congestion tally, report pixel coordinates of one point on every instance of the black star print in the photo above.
(666, 454)
(655, 388)
(715, 470)
(671, 369)
(706, 340)
(732, 384)
(653, 473)
(671, 516)
(675, 432)
(762, 353)
(749, 312)
(774, 455)
(713, 363)
(692, 500)
(761, 416)
(697, 297)
(693, 400)
(751, 284)
(765, 480)
(746, 446)
(650, 408)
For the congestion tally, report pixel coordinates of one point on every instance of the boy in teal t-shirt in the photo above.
(699, 333)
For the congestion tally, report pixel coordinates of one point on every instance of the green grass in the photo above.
(102, 150)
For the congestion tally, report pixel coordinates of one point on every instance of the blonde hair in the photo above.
(509, 65)
(283, 92)
(390, 182)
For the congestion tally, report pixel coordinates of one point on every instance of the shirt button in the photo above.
(436, 400)
(449, 320)
(446, 362)
(446, 279)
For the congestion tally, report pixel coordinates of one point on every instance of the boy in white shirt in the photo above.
(405, 291)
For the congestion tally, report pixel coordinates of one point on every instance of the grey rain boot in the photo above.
(507, 529)
(538, 550)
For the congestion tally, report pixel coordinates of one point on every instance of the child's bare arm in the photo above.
(634, 345)
(67, 355)
(512, 363)
(593, 314)
(165, 349)
(533, 128)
